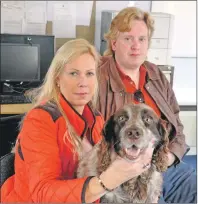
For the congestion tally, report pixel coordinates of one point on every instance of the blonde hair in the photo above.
(121, 23)
(49, 91)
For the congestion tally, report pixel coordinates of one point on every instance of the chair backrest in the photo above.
(9, 126)
(7, 167)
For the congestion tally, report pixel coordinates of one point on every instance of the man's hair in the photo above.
(121, 23)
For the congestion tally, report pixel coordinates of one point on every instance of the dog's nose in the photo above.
(134, 133)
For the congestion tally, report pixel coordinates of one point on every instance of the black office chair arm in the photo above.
(13, 117)
(7, 167)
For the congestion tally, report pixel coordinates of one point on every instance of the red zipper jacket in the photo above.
(44, 165)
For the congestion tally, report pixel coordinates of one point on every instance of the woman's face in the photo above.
(78, 80)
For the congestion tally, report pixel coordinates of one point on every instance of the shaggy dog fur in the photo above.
(127, 133)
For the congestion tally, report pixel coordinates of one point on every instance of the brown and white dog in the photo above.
(128, 133)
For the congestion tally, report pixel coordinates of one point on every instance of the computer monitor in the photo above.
(46, 42)
(20, 62)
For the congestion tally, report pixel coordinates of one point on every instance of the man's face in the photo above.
(131, 47)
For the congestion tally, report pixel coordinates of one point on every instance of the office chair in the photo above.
(9, 127)
(7, 167)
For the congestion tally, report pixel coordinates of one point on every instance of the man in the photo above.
(126, 77)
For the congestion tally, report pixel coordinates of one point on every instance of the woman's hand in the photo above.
(86, 146)
(121, 170)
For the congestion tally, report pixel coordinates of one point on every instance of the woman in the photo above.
(59, 129)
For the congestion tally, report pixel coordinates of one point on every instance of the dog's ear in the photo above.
(108, 130)
(161, 129)
(164, 129)
(160, 153)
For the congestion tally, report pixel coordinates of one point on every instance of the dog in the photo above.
(128, 133)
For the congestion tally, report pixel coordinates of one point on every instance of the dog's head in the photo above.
(131, 128)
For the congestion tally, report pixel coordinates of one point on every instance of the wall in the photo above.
(86, 32)
(144, 5)
(184, 34)
(114, 5)
(184, 61)
(105, 5)
(185, 80)
(183, 47)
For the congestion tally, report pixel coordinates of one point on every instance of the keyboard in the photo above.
(13, 99)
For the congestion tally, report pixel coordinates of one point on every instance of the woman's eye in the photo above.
(127, 39)
(90, 74)
(73, 73)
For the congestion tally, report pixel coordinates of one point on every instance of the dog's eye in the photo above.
(121, 118)
(148, 119)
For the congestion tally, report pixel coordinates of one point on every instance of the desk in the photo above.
(15, 108)
(22, 108)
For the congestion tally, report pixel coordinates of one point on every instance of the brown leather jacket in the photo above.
(112, 96)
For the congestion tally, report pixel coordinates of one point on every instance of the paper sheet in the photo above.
(27, 17)
(13, 4)
(35, 11)
(11, 19)
(50, 9)
(83, 12)
(13, 27)
(12, 14)
(64, 20)
(35, 28)
(35, 17)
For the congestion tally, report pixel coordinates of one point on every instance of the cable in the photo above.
(11, 88)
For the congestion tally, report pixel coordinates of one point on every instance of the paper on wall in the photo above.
(83, 12)
(13, 4)
(64, 20)
(12, 14)
(50, 9)
(11, 19)
(35, 11)
(35, 28)
(35, 17)
(27, 17)
(13, 27)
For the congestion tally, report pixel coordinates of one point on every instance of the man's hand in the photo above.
(171, 158)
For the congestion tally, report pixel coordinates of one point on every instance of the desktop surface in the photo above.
(10, 109)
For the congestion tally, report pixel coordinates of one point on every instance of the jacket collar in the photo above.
(153, 71)
(114, 77)
(79, 122)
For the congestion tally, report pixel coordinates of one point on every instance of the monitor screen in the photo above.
(20, 62)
